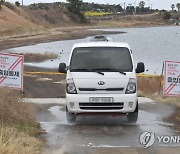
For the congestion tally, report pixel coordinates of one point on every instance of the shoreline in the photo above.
(60, 34)
(51, 35)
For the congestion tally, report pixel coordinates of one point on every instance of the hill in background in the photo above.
(17, 20)
(41, 17)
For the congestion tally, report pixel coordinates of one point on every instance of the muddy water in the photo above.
(104, 131)
(150, 45)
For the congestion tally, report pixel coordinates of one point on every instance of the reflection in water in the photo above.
(98, 131)
(59, 118)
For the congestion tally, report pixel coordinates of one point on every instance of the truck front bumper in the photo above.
(122, 103)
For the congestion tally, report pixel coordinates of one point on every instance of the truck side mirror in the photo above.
(140, 68)
(62, 68)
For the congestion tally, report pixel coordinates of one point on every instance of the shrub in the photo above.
(18, 127)
(10, 6)
(17, 3)
(1, 3)
(167, 15)
(13, 113)
(74, 7)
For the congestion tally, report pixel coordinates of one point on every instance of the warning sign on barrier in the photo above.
(171, 78)
(11, 71)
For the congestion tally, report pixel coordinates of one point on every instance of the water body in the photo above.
(151, 45)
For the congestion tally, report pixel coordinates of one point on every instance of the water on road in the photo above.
(102, 131)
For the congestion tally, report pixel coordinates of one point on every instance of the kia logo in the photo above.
(101, 83)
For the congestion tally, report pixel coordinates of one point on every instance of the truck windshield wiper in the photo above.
(87, 70)
(109, 69)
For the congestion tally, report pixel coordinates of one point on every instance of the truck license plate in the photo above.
(101, 99)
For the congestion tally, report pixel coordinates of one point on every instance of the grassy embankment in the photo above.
(154, 19)
(31, 21)
(152, 88)
(18, 128)
(38, 20)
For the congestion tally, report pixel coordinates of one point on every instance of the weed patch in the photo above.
(18, 127)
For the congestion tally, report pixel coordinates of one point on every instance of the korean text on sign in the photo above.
(11, 71)
(171, 78)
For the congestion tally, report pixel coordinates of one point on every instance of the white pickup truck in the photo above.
(101, 79)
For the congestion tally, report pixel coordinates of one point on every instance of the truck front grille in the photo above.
(95, 89)
(101, 106)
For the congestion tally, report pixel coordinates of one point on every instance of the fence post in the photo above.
(160, 78)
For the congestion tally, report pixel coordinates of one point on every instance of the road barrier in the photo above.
(148, 75)
(43, 73)
(57, 73)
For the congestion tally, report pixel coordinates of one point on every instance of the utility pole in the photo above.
(124, 7)
(149, 3)
(151, 6)
(135, 7)
(22, 3)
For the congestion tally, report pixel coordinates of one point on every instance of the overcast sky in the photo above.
(159, 4)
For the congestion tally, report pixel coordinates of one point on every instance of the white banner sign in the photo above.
(171, 78)
(11, 71)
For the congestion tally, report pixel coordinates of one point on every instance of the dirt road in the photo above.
(104, 134)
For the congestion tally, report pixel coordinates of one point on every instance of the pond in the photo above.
(151, 45)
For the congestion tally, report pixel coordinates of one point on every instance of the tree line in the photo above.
(77, 7)
(177, 5)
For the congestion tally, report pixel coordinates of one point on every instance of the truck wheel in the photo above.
(133, 116)
(71, 117)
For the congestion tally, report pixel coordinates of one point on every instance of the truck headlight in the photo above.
(131, 87)
(70, 87)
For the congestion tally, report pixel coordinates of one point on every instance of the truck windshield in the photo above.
(105, 59)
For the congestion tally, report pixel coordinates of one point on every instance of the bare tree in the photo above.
(141, 4)
(178, 6)
(172, 7)
(74, 7)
